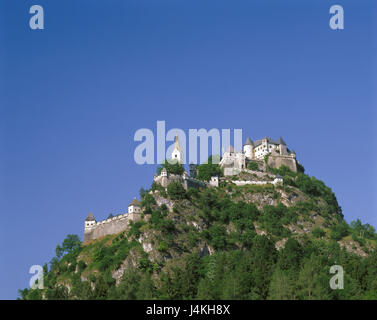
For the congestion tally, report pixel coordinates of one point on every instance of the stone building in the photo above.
(278, 154)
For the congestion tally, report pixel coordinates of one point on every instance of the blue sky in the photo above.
(73, 95)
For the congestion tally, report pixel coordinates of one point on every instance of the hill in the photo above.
(231, 242)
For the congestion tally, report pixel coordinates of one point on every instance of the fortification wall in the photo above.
(104, 228)
(276, 161)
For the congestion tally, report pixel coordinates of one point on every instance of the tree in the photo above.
(172, 168)
(129, 285)
(208, 170)
(290, 256)
(311, 283)
(340, 231)
(176, 191)
(70, 243)
(146, 289)
(142, 193)
(281, 286)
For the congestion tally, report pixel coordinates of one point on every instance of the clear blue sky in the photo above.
(72, 96)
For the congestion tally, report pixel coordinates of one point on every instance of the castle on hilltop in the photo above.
(264, 152)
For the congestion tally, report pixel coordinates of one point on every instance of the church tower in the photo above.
(177, 153)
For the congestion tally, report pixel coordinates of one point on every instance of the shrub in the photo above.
(172, 168)
(317, 232)
(176, 191)
(340, 231)
(253, 166)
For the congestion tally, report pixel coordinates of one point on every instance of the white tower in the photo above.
(177, 153)
(248, 148)
(90, 221)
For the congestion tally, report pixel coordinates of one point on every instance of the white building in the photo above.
(234, 162)
(134, 206)
(260, 148)
(177, 153)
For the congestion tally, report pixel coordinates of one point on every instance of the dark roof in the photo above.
(279, 176)
(281, 141)
(249, 142)
(269, 140)
(110, 216)
(135, 202)
(90, 217)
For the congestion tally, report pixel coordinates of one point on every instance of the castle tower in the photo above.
(282, 146)
(177, 153)
(134, 210)
(248, 148)
(134, 206)
(90, 221)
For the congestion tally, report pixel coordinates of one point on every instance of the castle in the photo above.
(113, 224)
(264, 152)
(187, 181)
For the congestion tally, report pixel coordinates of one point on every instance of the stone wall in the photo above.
(104, 228)
(276, 161)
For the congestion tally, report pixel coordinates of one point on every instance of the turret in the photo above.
(164, 173)
(248, 148)
(282, 146)
(134, 206)
(90, 221)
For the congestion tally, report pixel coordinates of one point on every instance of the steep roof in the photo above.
(135, 202)
(249, 142)
(230, 149)
(90, 217)
(177, 144)
(269, 140)
(281, 141)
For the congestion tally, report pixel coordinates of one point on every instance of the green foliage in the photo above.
(365, 231)
(148, 201)
(172, 168)
(273, 219)
(163, 247)
(217, 236)
(70, 243)
(253, 166)
(208, 170)
(176, 191)
(318, 232)
(242, 264)
(310, 186)
(339, 231)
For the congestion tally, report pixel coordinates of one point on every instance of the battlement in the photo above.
(113, 224)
